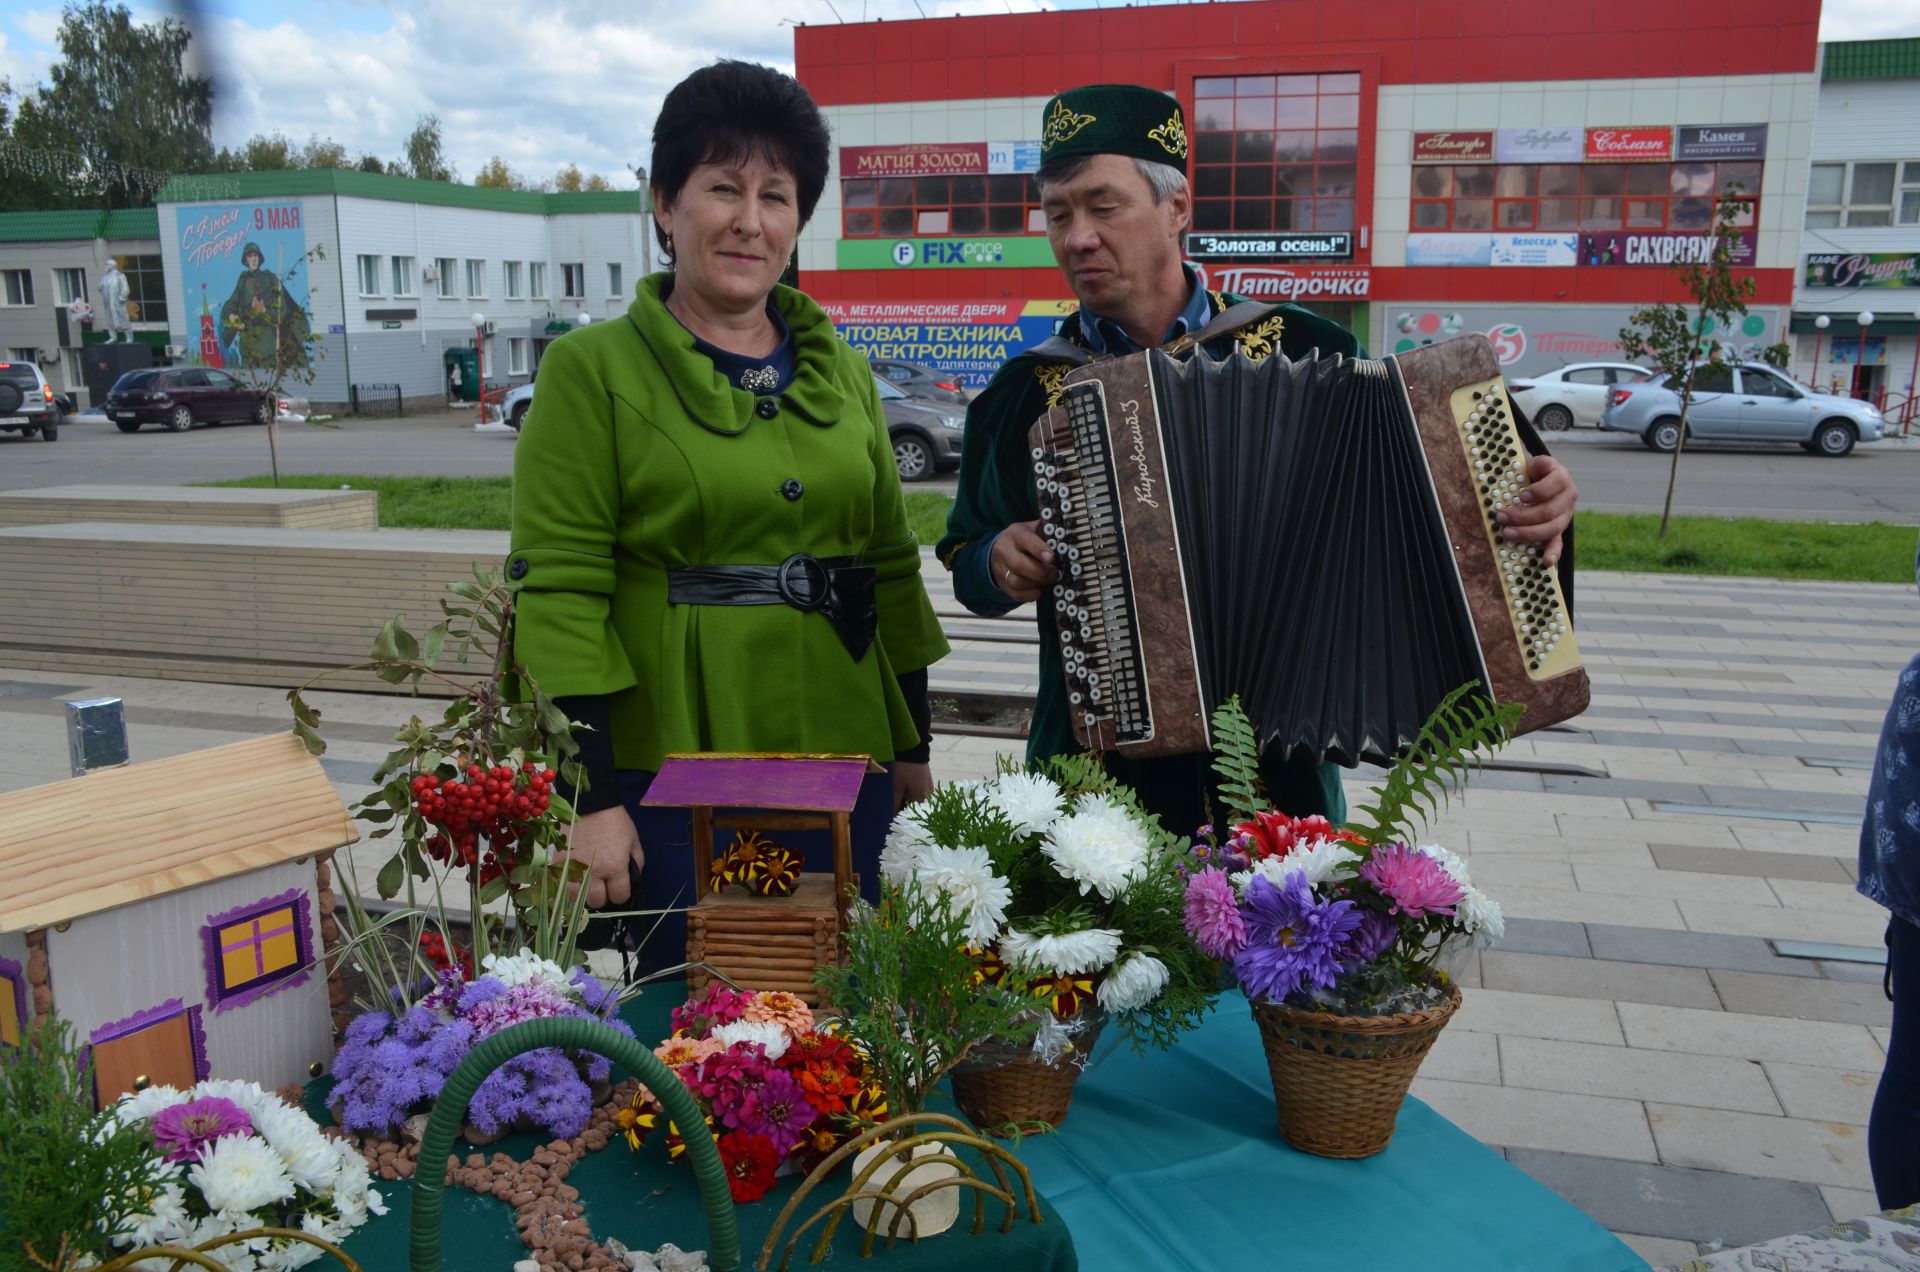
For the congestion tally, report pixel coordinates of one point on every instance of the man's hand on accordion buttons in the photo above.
(1545, 508)
(1022, 562)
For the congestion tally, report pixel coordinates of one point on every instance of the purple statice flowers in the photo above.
(1294, 939)
(391, 1066)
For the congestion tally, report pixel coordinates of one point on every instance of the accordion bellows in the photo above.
(1316, 536)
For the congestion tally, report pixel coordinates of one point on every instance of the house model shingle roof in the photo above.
(117, 837)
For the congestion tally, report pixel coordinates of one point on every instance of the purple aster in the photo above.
(484, 990)
(184, 1131)
(1293, 939)
(1368, 941)
(1416, 884)
(601, 999)
(1213, 915)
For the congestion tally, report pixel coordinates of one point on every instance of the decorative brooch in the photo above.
(760, 380)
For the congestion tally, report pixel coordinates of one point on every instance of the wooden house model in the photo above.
(176, 913)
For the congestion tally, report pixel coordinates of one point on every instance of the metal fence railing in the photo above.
(375, 399)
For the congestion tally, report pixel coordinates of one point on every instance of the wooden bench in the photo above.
(254, 605)
(193, 505)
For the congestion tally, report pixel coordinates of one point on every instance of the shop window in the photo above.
(516, 355)
(1863, 193)
(257, 950)
(1280, 152)
(146, 288)
(906, 207)
(1597, 196)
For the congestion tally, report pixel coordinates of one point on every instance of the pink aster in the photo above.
(1417, 884)
(517, 1006)
(185, 1131)
(1213, 915)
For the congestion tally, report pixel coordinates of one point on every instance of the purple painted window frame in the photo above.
(146, 1019)
(16, 976)
(225, 997)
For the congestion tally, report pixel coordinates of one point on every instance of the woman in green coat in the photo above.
(709, 539)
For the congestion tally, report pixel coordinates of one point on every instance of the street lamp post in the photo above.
(480, 359)
(1820, 325)
(582, 318)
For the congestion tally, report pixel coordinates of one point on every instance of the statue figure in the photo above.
(113, 302)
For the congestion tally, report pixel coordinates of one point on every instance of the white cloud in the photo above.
(1867, 20)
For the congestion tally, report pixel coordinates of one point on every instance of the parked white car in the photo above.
(1574, 395)
(513, 407)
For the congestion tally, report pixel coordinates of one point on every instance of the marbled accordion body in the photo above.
(1316, 536)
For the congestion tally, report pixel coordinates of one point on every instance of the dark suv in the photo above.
(28, 404)
(180, 397)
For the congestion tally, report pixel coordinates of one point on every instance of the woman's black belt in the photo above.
(838, 587)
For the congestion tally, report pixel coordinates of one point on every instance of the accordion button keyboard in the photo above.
(1534, 602)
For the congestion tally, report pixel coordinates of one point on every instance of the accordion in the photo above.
(1318, 537)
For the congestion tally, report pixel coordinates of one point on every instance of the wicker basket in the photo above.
(1021, 1091)
(1006, 1084)
(1338, 1081)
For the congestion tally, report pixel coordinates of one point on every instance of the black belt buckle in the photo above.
(814, 572)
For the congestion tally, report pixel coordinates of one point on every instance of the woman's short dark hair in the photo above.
(732, 111)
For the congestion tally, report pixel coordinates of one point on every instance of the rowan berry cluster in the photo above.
(499, 805)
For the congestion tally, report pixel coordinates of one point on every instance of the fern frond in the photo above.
(1236, 758)
(1460, 733)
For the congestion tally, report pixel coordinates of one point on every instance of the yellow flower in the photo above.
(637, 1121)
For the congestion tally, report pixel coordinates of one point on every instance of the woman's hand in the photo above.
(911, 783)
(605, 841)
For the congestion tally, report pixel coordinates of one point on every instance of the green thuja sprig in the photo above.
(1463, 730)
(1236, 758)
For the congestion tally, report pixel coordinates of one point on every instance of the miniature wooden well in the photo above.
(759, 942)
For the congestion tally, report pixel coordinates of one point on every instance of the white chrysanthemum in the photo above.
(1452, 862)
(1480, 914)
(965, 877)
(1062, 954)
(165, 1222)
(906, 839)
(141, 1106)
(1029, 801)
(239, 1174)
(287, 1255)
(1098, 846)
(1135, 981)
(769, 1035)
(528, 968)
(311, 1161)
(1320, 861)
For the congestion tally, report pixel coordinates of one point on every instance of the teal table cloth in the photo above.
(1173, 1161)
(1168, 1161)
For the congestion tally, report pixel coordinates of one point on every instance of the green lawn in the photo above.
(428, 503)
(1872, 553)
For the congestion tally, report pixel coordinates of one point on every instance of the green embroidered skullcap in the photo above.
(1115, 119)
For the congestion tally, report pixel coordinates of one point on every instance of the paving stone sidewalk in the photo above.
(1642, 1042)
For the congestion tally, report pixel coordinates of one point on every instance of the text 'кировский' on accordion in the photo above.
(1318, 537)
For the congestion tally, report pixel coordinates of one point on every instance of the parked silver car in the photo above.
(1572, 396)
(1743, 402)
(926, 435)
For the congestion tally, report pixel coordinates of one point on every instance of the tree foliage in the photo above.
(1673, 337)
(118, 115)
(425, 159)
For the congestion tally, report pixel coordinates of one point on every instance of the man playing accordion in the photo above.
(1113, 186)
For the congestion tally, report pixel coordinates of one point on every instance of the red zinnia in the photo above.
(750, 1161)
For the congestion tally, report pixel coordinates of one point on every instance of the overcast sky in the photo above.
(541, 85)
